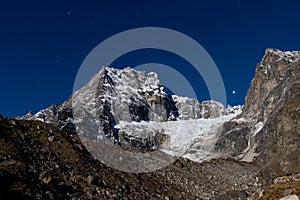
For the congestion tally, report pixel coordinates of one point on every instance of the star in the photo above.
(233, 91)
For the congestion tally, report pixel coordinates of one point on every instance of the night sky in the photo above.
(43, 43)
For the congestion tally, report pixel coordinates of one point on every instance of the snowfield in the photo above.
(193, 138)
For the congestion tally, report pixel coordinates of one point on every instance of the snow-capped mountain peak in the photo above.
(135, 103)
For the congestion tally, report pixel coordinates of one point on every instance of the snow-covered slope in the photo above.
(192, 138)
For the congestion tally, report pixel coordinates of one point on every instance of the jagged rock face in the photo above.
(274, 76)
(121, 95)
(188, 108)
(212, 109)
(276, 91)
(233, 138)
(270, 118)
(129, 95)
(64, 120)
(59, 115)
(233, 109)
(279, 141)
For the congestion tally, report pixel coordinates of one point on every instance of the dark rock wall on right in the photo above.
(273, 100)
(274, 96)
(275, 75)
(279, 141)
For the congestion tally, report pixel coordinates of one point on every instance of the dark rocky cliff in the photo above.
(268, 129)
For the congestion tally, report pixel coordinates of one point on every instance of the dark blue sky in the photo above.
(43, 43)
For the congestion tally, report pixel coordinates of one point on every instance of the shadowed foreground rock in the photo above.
(39, 162)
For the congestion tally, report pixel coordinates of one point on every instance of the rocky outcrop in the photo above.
(279, 140)
(268, 128)
(188, 108)
(212, 109)
(60, 116)
(274, 77)
(285, 188)
(131, 95)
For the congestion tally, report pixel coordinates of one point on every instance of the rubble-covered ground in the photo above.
(39, 162)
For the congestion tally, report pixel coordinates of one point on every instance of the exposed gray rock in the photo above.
(288, 192)
(187, 108)
(270, 118)
(233, 138)
(290, 197)
(212, 109)
(274, 76)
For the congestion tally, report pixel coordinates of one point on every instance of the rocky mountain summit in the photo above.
(241, 152)
(268, 128)
(133, 95)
